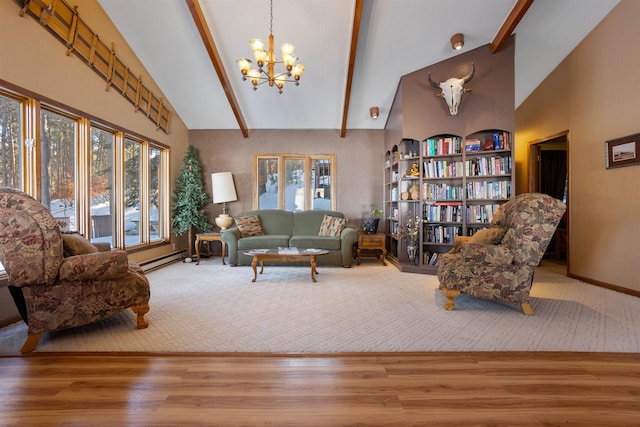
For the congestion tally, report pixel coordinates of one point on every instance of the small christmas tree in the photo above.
(189, 199)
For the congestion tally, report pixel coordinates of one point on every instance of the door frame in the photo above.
(534, 175)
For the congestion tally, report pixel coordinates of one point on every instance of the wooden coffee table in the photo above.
(262, 255)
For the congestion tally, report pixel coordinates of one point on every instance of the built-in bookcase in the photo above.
(461, 181)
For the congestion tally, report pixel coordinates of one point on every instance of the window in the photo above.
(101, 183)
(94, 178)
(58, 164)
(10, 143)
(294, 182)
(156, 193)
(132, 191)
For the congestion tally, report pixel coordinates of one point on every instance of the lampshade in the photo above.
(223, 188)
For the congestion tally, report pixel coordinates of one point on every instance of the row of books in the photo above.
(430, 258)
(441, 233)
(489, 190)
(441, 191)
(481, 213)
(481, 166)
(442, 168)
(498, 141)
(494, 165)
(442, 146)
(443, 213)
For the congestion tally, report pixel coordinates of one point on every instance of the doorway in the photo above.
(549, 174)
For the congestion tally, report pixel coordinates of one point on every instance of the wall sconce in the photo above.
(457, 41)
(374, 112)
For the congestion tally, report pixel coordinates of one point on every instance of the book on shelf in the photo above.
(472, 144)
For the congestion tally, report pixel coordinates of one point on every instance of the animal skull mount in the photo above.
(452, 89)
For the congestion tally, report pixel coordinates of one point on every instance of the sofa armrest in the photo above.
(230, 237)
(348, 238)
(479, 253)
(102, 246)
(94, 266)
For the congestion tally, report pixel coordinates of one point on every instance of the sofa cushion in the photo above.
(332, 226)
(308, 222)
(77, 244)
(274, 221)
(266, 241)
(315, 242)
(249, 225)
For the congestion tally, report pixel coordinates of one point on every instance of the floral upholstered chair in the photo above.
(502, 269)
(52, 291)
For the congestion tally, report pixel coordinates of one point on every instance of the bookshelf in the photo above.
(462, 180)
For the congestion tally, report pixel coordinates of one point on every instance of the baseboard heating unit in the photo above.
(162, 261)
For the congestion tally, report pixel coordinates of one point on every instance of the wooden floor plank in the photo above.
(452, 389)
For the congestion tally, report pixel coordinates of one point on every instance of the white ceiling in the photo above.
(396, 37)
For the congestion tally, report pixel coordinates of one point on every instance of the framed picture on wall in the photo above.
(622, 151)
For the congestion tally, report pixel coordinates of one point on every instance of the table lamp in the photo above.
(223, 191)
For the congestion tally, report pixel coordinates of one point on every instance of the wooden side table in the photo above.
(210, 237)
(372, 243)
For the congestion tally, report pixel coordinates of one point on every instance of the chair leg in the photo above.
(450, 294)
(31, 343)
(526, 309)
(141, 310)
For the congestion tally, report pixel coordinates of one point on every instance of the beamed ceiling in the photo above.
(354, 52)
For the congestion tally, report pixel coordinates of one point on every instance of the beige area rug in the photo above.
(368, 308)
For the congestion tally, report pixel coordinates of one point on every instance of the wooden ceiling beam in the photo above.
(510, 24)
(355, 31)
(214, 55)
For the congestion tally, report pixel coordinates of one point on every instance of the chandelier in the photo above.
(260, 76)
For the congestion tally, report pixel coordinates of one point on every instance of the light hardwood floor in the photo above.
(432, 389)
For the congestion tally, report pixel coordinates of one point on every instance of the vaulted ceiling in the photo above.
(354, 52)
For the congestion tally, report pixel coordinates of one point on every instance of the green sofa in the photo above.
(292, 229)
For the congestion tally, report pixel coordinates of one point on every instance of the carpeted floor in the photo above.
(368, 308)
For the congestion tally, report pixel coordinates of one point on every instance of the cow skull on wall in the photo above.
(452, 90)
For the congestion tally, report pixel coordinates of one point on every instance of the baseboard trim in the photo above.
(162, 261)
(606, 285)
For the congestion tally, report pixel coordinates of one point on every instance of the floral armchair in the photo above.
(55, 292)
(502, 270)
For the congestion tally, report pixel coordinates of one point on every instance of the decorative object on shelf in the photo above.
(374, 112)
(370, 223)
(189, 200)
(457, 41)
(452, 90)
(414, 172)
(411, 233)
(414, 192)
(260, 76)
(223, 191)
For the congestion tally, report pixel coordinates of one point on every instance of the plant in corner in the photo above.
(370, 223)
(189, 200)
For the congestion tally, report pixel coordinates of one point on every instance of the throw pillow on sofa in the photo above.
(332, 226)
(249, 225)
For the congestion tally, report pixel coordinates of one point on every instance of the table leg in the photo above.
(254, 263)
(314, 271)
(198, 250)
(224, 247)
